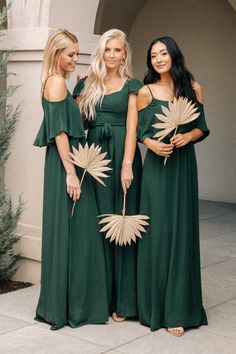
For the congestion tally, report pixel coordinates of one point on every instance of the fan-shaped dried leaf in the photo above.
(181, 111)
(123, 229)
(92, 160)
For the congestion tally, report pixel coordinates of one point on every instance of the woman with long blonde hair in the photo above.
(107, 99)
(73, 280)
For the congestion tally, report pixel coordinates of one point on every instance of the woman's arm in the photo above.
(180, 140)
(159, 148)
(72, 181)
(55, 90)
(79, 87)
(144, 98)
(130, 143)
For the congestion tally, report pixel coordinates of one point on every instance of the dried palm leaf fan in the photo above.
(123, 229)
(92, 161)
(181, 111)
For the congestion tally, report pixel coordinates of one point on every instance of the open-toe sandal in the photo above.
(176, 331)
(117, 318)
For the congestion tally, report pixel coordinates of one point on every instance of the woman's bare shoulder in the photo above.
(144, 97)
(198, 89)
(55, 88)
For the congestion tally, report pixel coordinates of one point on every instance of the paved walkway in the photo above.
(19, 333)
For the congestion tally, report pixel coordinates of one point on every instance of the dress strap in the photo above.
(150, 91)
(45, 81)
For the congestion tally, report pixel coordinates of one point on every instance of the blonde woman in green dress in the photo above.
(169, 279)
(73, 280)
(107, 99)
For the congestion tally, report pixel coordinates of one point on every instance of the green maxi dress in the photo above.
(109, 130)
(169, 280)
(73, 279)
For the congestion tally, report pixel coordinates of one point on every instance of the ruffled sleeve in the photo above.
(62, 116)
(134, 85)
(146, 118)
(78, 88)
(201, 123)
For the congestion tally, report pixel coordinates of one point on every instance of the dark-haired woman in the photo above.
(169, 280)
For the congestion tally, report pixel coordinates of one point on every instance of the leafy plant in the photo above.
(8, 223)
(9, 216)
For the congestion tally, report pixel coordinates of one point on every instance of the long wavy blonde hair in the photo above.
(94, 88)
(56, 43)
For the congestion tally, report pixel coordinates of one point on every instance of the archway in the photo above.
(121, 14)
(116, 14)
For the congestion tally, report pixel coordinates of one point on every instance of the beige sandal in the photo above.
(176, 331)
(117, 318)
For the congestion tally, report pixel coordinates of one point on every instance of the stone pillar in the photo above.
(29, 25)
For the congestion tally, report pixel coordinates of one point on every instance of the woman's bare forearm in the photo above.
(63, 147)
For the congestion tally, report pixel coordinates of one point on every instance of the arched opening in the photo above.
(116, 14)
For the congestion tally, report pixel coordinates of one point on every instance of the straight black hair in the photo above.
(182, 77)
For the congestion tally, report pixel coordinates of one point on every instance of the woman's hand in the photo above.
(81, 77)
(159, 147)
(73, 186)
(126, 176)
(180, 140)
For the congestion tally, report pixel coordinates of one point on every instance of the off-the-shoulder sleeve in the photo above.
(134, 85)
(59, 117)
(146, 118)
(201, 124)
(78, 88)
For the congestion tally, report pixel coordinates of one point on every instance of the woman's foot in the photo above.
(117, 318)
(176, 331)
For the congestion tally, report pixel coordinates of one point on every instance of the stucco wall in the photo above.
(80, 14)
(206, 32)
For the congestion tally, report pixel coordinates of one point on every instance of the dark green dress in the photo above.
(169, 280)
(109, 130)
(73, 280)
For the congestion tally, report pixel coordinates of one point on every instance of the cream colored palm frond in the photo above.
(92, 161)
(180, 111)
(123, 229)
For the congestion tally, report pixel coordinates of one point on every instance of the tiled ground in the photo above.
(19, 333)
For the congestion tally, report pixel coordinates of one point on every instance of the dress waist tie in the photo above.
(105, 136)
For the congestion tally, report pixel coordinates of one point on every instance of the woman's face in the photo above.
(160, 58)
(114, 53)
(68, 58)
